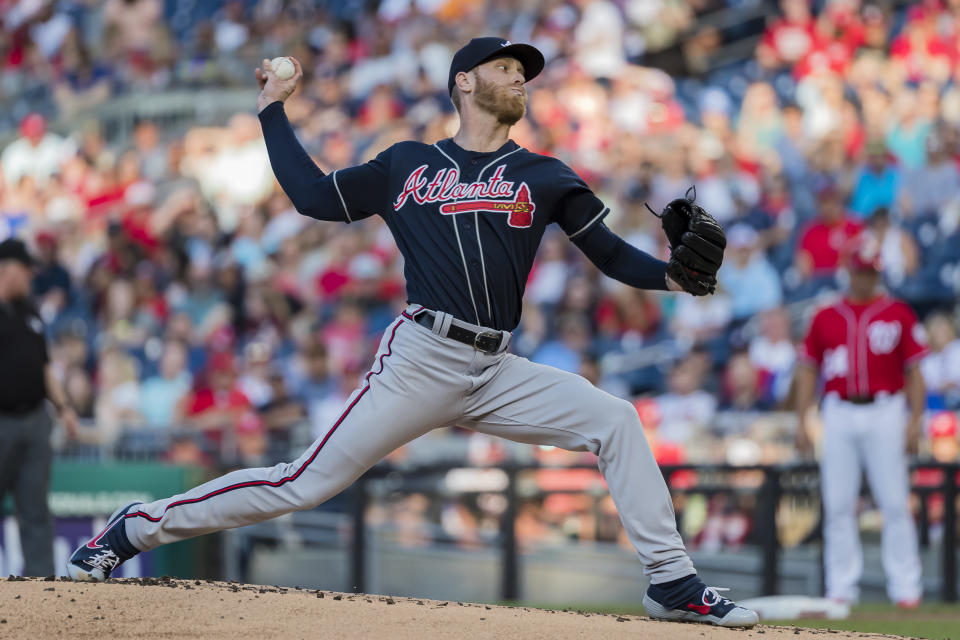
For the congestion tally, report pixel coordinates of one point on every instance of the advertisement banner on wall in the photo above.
(69, 533)
(82, 497)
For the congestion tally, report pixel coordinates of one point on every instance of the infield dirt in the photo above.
(165, 608)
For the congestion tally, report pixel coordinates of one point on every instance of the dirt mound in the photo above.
(166, 608)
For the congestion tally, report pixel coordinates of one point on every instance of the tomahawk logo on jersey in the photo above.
(520, 208)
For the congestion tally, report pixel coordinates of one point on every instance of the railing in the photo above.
(777, 482)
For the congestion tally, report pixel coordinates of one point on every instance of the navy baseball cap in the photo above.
(479, 50)
(13, 249)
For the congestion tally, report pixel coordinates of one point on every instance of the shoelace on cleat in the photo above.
(106, 559)
(715, 597)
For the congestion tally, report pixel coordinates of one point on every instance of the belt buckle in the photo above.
(492, 335)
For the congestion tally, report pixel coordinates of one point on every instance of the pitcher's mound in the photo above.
(165, 608)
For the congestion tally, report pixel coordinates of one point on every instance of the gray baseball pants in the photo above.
(25, 458)
(421, 381)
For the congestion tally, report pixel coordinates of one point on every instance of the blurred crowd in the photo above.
(193, 314)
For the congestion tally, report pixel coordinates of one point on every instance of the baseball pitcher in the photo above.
(467, 214)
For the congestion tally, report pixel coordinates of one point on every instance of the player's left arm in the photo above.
(917, 400)
(622, 261)
(696, 240)
(580, 214)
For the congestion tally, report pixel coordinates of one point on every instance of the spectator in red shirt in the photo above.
(218, 408)
(818, 253)
(840, 22)
(922, 51)
(136, 219)
(838, 34)
(789, 39)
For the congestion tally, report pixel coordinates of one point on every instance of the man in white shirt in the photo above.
(35, 153)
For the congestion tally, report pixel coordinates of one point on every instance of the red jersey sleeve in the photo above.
(913, 346)
(199, 402)
(811, 349)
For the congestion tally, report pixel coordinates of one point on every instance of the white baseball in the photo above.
(282, 68)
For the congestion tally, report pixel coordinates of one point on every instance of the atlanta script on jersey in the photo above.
(495, 195)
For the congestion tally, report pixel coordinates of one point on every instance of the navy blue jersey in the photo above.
(468, 224)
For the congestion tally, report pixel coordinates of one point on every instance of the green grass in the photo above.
(935, 621)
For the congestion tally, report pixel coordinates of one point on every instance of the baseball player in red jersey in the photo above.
(867, 349)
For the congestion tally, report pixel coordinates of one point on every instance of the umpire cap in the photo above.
(479, 50)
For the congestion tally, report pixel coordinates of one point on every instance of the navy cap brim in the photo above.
(529, 56)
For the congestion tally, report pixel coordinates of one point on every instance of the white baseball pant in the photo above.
(871, 437)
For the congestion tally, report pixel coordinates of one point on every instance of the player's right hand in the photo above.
(271, 87)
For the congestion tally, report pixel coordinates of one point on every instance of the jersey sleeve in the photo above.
(913, 344)
(336, 196)
(811, 349)
(363, 188)
(621, 261)
(578, 207)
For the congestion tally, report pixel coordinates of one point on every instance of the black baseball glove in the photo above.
(696, 241)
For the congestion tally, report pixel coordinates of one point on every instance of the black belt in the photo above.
(861, 399)
(485, 341)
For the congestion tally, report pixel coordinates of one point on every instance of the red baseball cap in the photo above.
(944, 424)
(33, 125)
(916, 13)
(46, 238)
(221, 362)
(865, 253)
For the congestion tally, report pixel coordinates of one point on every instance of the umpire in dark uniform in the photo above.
(25, 420)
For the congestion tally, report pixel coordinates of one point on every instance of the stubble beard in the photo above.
(507, 107)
